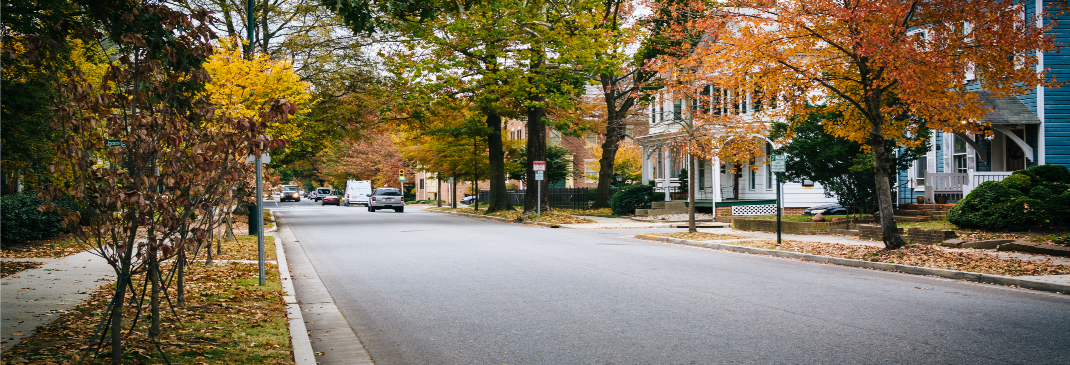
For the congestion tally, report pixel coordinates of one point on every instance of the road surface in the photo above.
(428, 288)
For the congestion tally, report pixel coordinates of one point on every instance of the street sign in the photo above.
(115, 143)
(538, 175)
(538, 165)
(265, 158)
(778, 163)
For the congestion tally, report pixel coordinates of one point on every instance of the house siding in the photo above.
(1057, 101)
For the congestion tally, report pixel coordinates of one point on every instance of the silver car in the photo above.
(387, 198)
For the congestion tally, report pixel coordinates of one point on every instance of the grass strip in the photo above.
(55, 247)
(9, 268)
(914, 255)
(227, 319)
(547, 217)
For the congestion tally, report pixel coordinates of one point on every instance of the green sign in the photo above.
(115, 143)
(538, 175)
(778, 163)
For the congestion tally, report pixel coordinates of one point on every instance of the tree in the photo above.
(856, 57)
(557, 165)
(146, 157)
(627, 162)
(842, 166)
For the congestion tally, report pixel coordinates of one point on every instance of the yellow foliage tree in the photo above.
(242, 88)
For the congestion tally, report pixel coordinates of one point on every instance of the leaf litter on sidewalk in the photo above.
(227, 319)
(914, 255)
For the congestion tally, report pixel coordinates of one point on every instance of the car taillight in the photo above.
(347, 196)
(373, 198)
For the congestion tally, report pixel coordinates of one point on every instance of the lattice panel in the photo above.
(768, 209)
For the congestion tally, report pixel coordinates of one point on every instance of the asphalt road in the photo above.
(427, 288)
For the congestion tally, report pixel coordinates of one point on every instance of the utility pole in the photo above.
(259, 173)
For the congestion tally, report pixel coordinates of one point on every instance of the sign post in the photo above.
(777, 165)
(539, 167)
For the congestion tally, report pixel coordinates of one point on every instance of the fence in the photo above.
(570, 198)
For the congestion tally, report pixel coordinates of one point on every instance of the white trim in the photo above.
(1014, 137)
(1042, 149)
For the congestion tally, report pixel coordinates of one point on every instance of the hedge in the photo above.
(21, 221)
(1037, 197)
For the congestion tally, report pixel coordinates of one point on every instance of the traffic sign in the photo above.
(778, 163)
(538, 175)
(538, 165)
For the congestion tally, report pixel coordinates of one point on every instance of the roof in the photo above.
(1009, 110)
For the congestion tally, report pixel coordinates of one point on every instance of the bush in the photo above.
(1029, 198)
(21, 221)
(631, 198)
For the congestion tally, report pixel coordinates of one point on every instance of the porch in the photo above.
(954, 186)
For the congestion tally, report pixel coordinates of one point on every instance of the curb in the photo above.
(500, 219)
(302, 345)
(883, 266)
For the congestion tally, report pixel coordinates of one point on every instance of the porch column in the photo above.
(647, 165)
(665, 171)
(716, 181)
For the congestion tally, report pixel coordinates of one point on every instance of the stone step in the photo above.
(907, 218)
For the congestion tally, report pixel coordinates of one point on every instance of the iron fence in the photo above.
(570, 198)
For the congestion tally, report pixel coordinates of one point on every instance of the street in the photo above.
(428, 288)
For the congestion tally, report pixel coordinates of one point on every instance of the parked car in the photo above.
(468, 200)
(289, 194)
(357, 192)
(331, 199)
(387, 198)
(320, 193)
(828, 209)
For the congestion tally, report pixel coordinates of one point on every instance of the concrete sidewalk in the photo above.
(37, 297)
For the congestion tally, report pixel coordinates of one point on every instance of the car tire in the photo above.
(399, 210)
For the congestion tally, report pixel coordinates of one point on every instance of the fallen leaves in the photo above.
(13, 267)
(914, 255)
(223, 301)
(56, 247)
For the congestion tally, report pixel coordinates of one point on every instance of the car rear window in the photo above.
(389, 193)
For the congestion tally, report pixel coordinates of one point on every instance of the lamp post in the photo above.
(619, 179)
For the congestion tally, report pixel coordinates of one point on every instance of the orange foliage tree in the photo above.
(889, 67)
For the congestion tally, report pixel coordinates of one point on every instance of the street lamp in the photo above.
(619, 178)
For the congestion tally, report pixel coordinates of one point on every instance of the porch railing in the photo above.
(978, 177)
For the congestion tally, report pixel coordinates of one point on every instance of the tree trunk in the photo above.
(438, 191)
(536, 152)
(117, 316)
(180, 287)
(692, 167)
(882, 171)
(453, 193)
(498, 199)
(154, 297)
(614, 134)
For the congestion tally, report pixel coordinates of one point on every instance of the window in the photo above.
(717, 101)
(590, 175)
(768, 166)
(959, 153)
(920, 166)
(701, 174)
(757, 102)
(677, 110)
(591, 138)
(421, 184)
(752, 180)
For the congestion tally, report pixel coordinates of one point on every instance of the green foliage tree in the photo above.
(842, 166)
(557, 165)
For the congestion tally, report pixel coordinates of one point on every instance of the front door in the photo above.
(1015, 156)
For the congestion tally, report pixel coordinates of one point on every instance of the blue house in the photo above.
(1028, 130)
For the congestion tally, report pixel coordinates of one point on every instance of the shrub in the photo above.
(1028, 198)
(21, 221)
(631, 198)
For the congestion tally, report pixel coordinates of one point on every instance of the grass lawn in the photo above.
(227, 319)
(55, 247)
(8, 268)
(915, 255)
(601, 212)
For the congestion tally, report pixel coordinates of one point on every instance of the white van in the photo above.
(357, 192)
